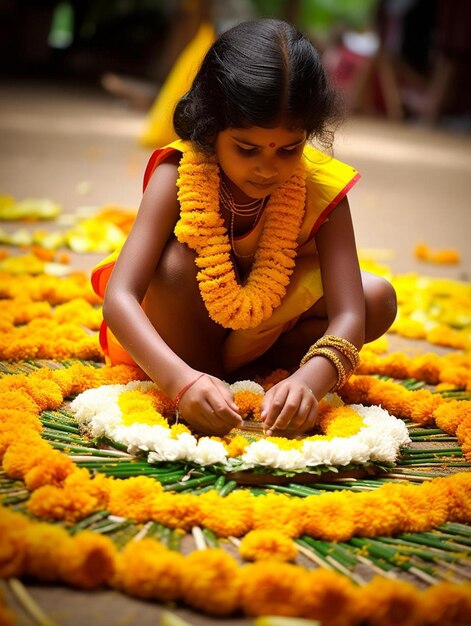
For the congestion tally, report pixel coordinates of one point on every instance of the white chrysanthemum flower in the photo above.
(247, 385)
(262, 452)
(208, 452)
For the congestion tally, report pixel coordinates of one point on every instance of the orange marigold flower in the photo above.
(176, 510)
(52, 469)
(24, 455)
(249, 404)
(259, 545)
(268, 588)
(386, 602)
(449, 415)
(448, 604)
(43, 542)
(236, 446)
(459, 501)
(278, 511)
(62, 504)
(134, 497)
(210, 581)
(328, 516)
(333, 599)
(88, 561)
(229, 516)
(146, 569)
(12, 545)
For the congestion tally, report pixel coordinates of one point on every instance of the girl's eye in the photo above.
(246, 151)
(289, 151)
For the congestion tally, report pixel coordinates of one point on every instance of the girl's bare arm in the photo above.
(294, 401)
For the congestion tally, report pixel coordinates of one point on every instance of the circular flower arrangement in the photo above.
(138, 416)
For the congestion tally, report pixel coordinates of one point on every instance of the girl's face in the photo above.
(257, 160)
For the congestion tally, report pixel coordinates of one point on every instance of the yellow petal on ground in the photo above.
(30, 209)
(170, 619)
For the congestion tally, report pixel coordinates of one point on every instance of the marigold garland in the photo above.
(390, 509)
(202, 228)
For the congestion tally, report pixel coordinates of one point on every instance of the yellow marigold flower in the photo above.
(79, 311)
(62, 504)
(260, 545)
(52, 469)
(272, 379)
(146, 569)
(236, 446)
(24, 455)
(16, 399)
(210, 582)
(278, 511)
(88, 562)
(43, 542)
(448, 604)
(118, 374)
(328, 516)
(134, 497)
(386, 602)
(459, 502)
(268, 588)
(12, 545)
(229, 516)
(176, 510)
(178, 429)
(449, 415)
(379, 513)
(333, 599)
(138, 407)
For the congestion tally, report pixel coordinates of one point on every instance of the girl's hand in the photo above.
(209, 408)
(289, 406)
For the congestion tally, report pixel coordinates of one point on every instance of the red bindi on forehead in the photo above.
(272, 144)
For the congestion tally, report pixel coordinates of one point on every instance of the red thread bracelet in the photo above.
(184, 389)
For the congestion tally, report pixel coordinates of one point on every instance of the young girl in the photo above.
(243, 248)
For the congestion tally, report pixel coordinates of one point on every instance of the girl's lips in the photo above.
(262, 185)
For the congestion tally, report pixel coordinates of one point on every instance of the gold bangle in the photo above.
(333, 358)
(345, 347)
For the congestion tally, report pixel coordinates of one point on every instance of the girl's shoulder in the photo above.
(324, 169)
(171, 152)
(328, 181)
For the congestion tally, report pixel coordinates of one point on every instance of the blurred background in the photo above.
(87, 89)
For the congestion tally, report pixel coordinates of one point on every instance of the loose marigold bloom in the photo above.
(134, 497)
(261, 545)
(210, 582)
(88, 562)
(229, 516)
(146, 569)
(386, 602)
(268, 588)
(278, 511)
(332, 600)
(176, 510)
(43, 542)
(448, 604)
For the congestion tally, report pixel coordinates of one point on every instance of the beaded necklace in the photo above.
(201, 226)
(249, 209)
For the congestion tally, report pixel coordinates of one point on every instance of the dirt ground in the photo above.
(79, 147)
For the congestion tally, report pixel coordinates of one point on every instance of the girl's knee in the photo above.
(381, 306)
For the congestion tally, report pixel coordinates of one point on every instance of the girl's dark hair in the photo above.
(259, 73)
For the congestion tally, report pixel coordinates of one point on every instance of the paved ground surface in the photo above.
(79, 147)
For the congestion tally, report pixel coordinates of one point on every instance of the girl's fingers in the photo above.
(295, 410)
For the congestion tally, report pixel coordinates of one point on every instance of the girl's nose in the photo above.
(266, 169)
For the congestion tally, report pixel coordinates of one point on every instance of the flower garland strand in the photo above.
(202, 228)
(63, 491)
(147, 569)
